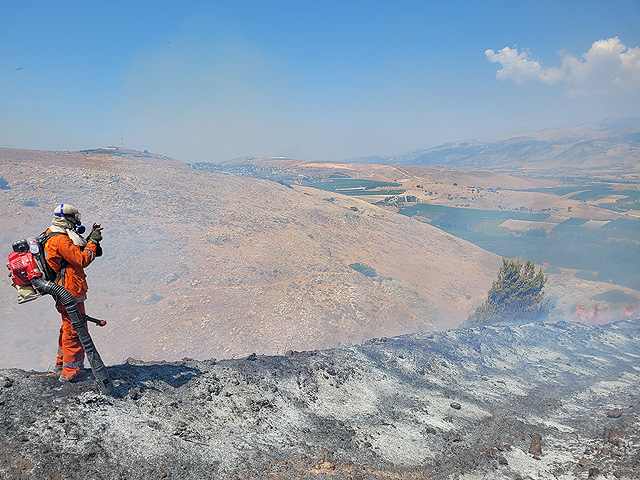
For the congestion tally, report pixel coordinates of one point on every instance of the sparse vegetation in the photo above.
(537, 232)
(515, 297)
(615, 296)
(339, 175)
(366, 270)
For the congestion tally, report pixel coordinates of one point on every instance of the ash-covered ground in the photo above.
(529, 402)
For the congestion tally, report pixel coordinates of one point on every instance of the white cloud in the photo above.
(608, 65)
(519, 67)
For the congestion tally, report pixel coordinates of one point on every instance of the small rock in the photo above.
(622, 473)
(252, 357)
(325, 464)
(502, 461)
(491, 453)
(612, 434)
(585, 462)
(59, 417)
(535, 448)
(594, 472)
(455, 405)
(134, 394)
(6, 382)
(628, 418)
(614, 413)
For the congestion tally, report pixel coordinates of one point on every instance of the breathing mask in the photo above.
(73, 218)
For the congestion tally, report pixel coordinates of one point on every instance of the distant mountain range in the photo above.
(610, 145)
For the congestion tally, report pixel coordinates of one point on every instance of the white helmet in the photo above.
(69, 212)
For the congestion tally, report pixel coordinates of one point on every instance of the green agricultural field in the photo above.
(592, 192)
(355, 186)
(358, 193)
(612, 251)
(468, 216)
(556, 190)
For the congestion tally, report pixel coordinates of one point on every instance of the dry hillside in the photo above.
(206, 265)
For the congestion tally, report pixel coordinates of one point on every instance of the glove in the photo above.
(96, 234)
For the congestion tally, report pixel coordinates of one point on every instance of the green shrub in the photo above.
(537, 232)
(366, 270)
(515, 297)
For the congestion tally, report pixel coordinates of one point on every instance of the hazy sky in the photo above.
(313, 80)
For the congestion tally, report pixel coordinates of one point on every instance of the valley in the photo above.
(582, 231)
(270, 254)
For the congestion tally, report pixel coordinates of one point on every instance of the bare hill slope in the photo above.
(200, 264)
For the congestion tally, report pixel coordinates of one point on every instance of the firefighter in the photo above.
(68, 253)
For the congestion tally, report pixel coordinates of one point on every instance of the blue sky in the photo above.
(322, 80)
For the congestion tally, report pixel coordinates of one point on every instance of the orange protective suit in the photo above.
(61, 253)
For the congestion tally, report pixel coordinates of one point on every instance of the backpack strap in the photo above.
(63, 262)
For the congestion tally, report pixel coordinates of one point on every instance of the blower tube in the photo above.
(77, 322)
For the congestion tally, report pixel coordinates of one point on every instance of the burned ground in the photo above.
(535, 401)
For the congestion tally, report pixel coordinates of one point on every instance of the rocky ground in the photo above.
(529, 402)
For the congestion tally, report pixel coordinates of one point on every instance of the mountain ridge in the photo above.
(612, 146)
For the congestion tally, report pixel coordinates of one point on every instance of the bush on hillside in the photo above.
(366, 270)
(537, 232)
(515, 297)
